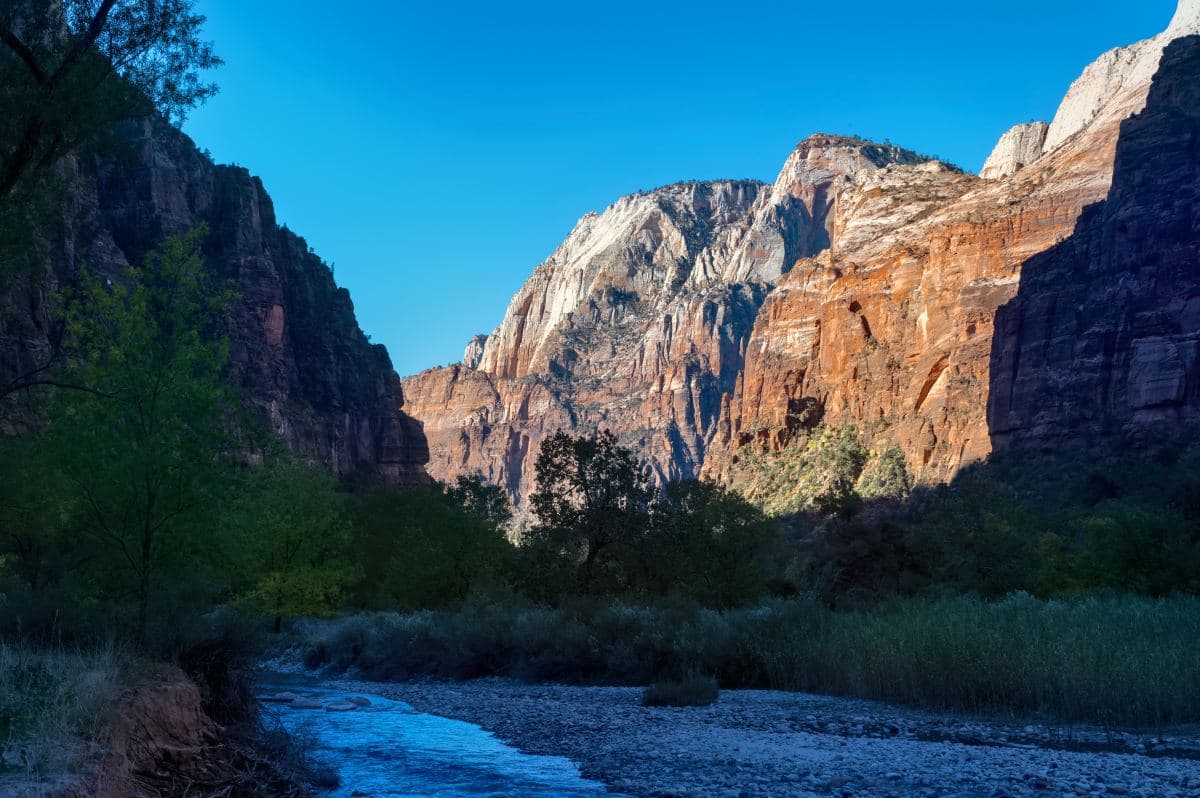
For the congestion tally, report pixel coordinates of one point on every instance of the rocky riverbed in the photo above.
(762, 743)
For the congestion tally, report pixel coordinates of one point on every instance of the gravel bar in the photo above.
(766, 743)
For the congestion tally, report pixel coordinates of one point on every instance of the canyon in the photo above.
(297, 356)
(867, 286)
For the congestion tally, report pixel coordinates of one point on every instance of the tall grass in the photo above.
(1108, 659)
(55, 705)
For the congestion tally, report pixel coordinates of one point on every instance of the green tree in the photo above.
(68, 68)
(885, 476)
(422, 548)
(488, 503)
(34, 505)
(833, 461)
(143, 445)
(707, 543)
(592, 497)
(294, 541)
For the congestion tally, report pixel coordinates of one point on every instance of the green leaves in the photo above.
(592, 496)
(421, 548)
(142, 438)
(290, 541)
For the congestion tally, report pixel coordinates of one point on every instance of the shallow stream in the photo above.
(389, 749)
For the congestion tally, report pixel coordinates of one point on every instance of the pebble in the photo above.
(780, 745)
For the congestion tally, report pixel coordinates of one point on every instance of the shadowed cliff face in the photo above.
(1103, 336)
(296, 351)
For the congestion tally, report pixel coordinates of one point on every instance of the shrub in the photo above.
(690, 691)
(1110, 659)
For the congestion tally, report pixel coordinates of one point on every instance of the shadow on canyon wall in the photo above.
(1102, 341)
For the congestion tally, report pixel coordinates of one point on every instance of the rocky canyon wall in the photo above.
(1103, 335)
(862, 288)
(296, 351)
(638, 322)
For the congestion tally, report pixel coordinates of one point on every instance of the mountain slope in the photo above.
(861, 288)
(638, 322)
(1103, 336)
(296, 350)
(893, 334)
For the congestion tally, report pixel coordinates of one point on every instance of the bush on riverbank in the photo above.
(1112, 659)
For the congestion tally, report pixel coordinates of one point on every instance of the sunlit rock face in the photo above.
(297, 354)
(1019, 147)
(861, 287)
(473, 354)
(893, 333)
(638, 322)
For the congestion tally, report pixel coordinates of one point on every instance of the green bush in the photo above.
(690, 691)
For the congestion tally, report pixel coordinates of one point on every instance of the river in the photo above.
(389, 749)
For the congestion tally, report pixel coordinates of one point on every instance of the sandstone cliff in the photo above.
(893, 333)
(1103, 335)
(861, 288)
(297, 352)
(638, 321)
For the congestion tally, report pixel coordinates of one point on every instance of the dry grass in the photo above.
(55, 706)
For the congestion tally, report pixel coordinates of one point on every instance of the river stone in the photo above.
(306, 703)
(341, 706)
(358, 700)
(279, 698)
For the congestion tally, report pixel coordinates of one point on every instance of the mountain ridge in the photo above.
(851, 290)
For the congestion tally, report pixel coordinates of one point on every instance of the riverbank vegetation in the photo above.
(55, 706)
(148, 508)
(1107, 659)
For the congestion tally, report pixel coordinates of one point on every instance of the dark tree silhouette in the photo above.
(592, 495)
(70, 67)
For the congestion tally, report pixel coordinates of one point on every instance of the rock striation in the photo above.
(1019, 147)
(924, 292)
(861, 288)
(638, 321)
(296, 351)
(1103, 335)
(473, 354)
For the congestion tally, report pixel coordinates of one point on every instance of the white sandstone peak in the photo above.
(1019, 147)
(1186, 20)
(1118, 82)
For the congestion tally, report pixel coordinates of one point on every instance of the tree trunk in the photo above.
(143, 602)
(18, 163)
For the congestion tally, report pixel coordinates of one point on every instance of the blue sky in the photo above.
(435, 152)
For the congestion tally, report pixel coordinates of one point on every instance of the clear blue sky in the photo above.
(435, 152)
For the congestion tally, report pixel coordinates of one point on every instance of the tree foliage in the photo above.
(592, 498)
(142, 445)
(707, 543)
(291, 540)
(428, 547)
(68, 68)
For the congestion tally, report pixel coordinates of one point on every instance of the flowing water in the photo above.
(390, 749)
